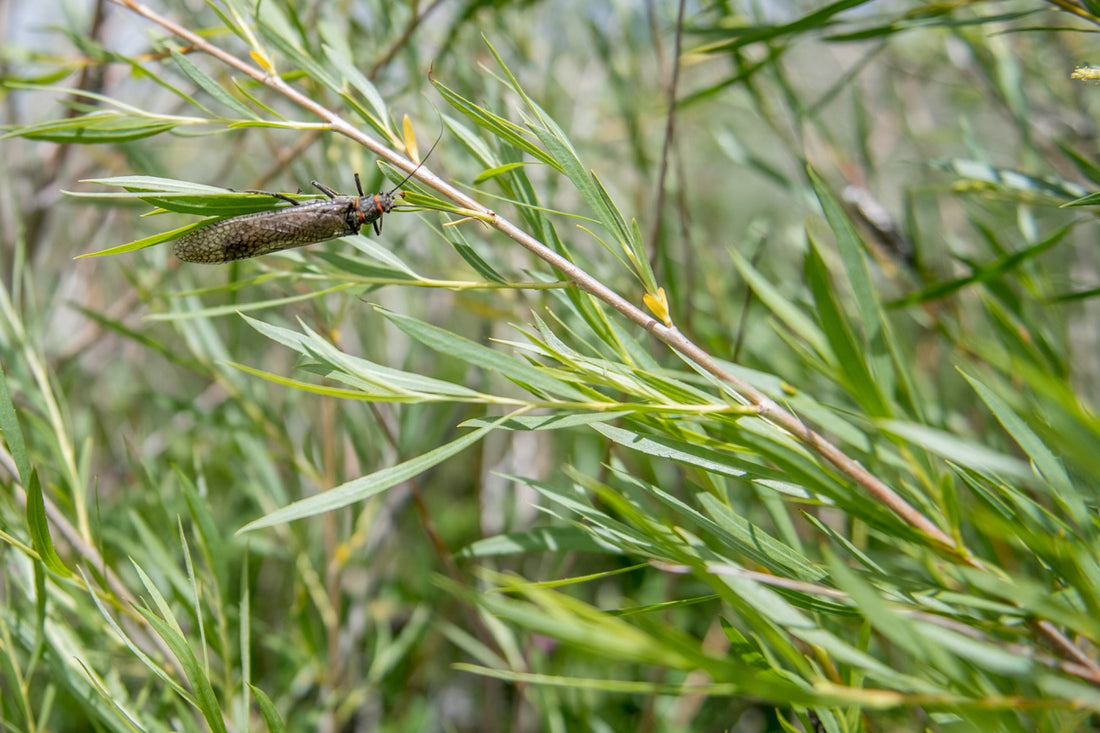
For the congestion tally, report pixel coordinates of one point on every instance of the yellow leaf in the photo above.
(261, 60)
(658, 305)
(1091, 73)
(410, 139)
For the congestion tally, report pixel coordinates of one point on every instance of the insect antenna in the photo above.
(414, 170)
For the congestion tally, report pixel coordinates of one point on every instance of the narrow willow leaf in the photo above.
(1081, 161)
(241, 308)
(787, 312)
(499, 170)
(689, 454)
(445, 342)
(558, 420)
(210, 86)
(136, 185)
(143, 243)
(312, 345)
(277, 31)
(379, 394)
(211, 542)
(851, 254)
(989, 655)
(748, 34)
(473, 259)
(965, 453)
(861, 385)
(495, 124)
(878, 613)
(986, 273)
(473, 143)
(270, 713)
(155, 667)
(1043, 458)
(1013, 181)
(94, 128)
(367, 486)
(205, 699)
(545, 539)
(357, 267)
(378, 113)
(185, 197)
(38, 527)
(589, 189)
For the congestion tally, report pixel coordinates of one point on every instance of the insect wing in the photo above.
(263, 232)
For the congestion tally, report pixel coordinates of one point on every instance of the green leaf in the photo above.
(473, 259)
(1020, 185)
(953, 448)
(38, 527)
(188, 198)
(682, 452)
(546, 539)
(852, 255)
(367, 486)
(379, 112)
(361, 372)
(999, 267)
(210, 86)
(240, 308)
(268, 710)
(144, 242)
(278, 32)
(1045, 461)
(736, 37)
(787, 312)
(557, 420)
(747, 538)
(496, 125)
(169, 631)
(155, 667)
(498, 170)
(1082, 162)
(529, 377)
(898, 629)
(555, 142)
(95, 128)
(861, 386)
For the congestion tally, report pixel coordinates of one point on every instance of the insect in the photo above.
(263, 232)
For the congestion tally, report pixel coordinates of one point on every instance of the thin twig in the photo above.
(397, 45)
(670, 131)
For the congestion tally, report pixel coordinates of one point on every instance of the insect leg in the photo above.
(325, 189)
(280, 196)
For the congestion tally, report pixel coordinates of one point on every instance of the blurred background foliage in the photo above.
(878, 214)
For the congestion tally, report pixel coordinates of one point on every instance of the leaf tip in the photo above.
(658, 305)
(261, 60)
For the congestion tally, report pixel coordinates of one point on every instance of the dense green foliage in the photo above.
(767, 409)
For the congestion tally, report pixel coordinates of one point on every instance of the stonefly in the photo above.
(263, 232)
